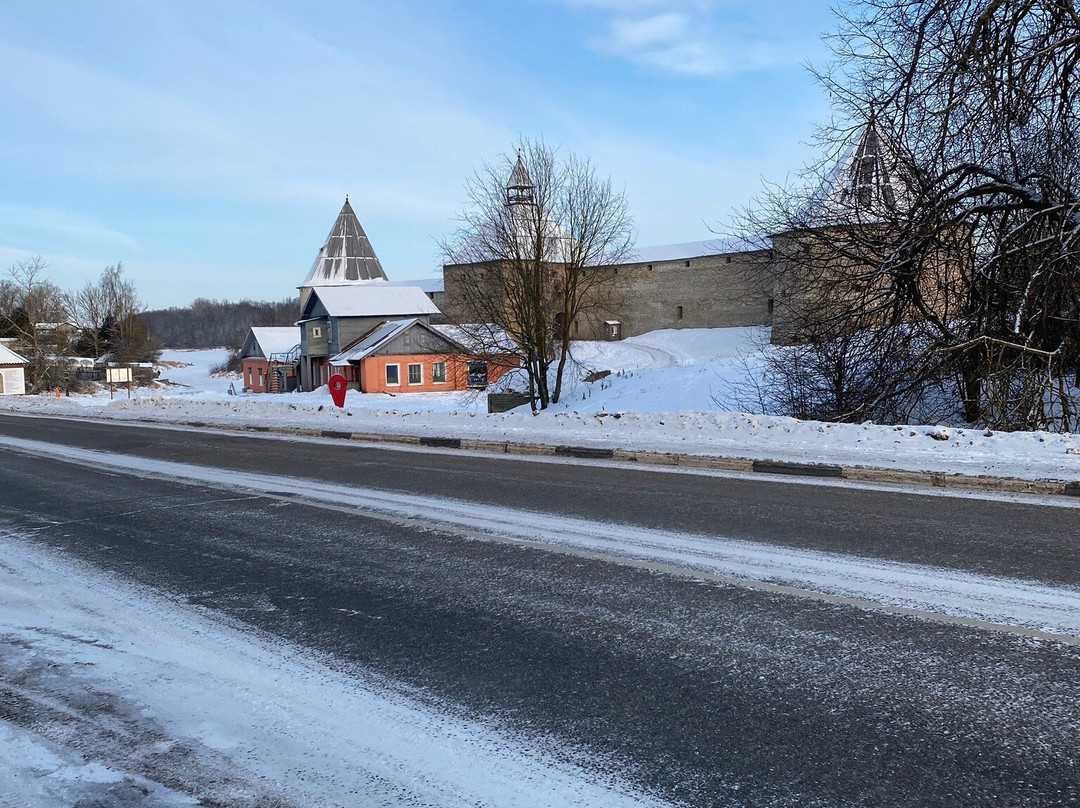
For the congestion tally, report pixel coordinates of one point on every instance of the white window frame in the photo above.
(435, 376)
(420, 369)
(397, 374)
(316, 331)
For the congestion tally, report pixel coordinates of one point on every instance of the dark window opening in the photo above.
(770, 306)
(477, 374)
(678, 315)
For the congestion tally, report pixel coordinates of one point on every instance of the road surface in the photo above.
(695, 688)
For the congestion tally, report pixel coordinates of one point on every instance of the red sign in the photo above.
(337, 389)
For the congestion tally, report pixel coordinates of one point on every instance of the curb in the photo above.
(929, 479)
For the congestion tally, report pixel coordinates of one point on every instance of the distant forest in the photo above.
(216, 323)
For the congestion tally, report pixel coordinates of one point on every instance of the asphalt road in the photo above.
(705, 693)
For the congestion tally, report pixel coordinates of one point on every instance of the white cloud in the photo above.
(695, 37)
(659, 29)
(72, 226)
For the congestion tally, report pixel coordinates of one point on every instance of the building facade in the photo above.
(345, 295)
(269, 358)
(721, 283)
(12, 373)
(411, 356)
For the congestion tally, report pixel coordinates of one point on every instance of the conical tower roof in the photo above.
(519, 188)
(347, 256)
(870, 182)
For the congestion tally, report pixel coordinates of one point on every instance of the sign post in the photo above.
(116, 376)
(337, 389)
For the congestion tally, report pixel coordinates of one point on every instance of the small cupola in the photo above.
(519, 190)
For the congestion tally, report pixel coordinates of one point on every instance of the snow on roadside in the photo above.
(967, 596)
(1027, 455)
(662, 396)
(287, 724)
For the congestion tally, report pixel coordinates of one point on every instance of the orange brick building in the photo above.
(411, 356)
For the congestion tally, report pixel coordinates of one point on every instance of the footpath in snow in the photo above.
(663, 395)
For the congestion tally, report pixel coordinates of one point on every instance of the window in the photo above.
(678, 312)
(438, 372)
(771, 303)
(316, 331)
(416, 375)
(687, 263)
(392, 376)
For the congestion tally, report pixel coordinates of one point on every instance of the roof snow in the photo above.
(378, 337)
(375, 300)
(869, 182)
(690, 249)
(428, 285)
(347, 255)
(276, 339)
(9, 357)
(480, 338)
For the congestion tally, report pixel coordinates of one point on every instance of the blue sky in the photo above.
(209, 145)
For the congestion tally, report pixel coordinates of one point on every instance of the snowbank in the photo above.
(662, 396)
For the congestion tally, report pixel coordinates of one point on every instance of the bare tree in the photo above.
(110, 314)
(533, 253)
(966, 265)
(33, 311)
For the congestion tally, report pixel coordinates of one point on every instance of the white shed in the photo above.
(12, 373)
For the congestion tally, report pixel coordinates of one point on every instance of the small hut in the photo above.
(12, 373)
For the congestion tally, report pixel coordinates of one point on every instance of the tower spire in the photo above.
(347, 255)
(519, 189)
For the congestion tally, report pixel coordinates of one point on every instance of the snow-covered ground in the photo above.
(1001, 601)
(239, 718)
(240, 712)
(669, 391)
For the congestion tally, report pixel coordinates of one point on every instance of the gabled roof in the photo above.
(9, 357)
(374, 299)
(347, 255)
(478, 338)
(869, 182)
(381, 335)
(275, 339)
